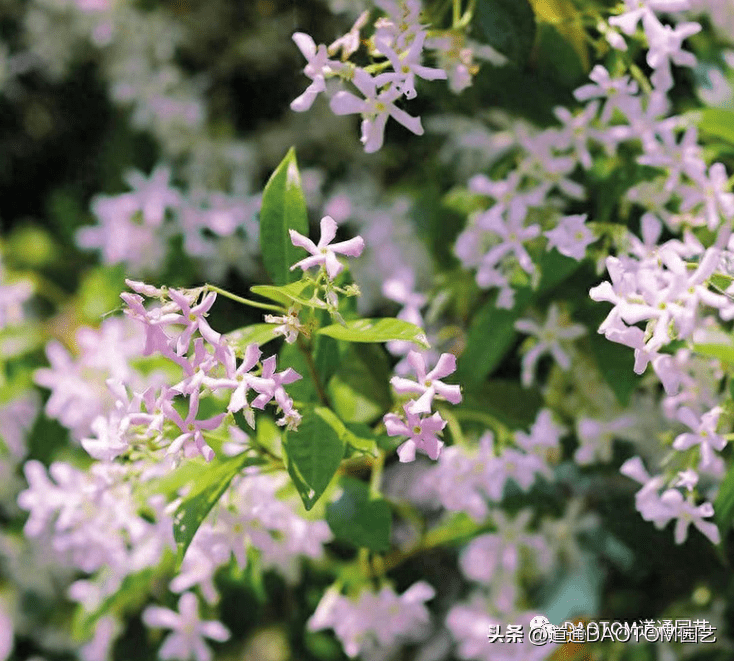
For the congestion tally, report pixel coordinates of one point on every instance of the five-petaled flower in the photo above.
(421, 431)
(188, 631)
(324, 253)
(428, 385)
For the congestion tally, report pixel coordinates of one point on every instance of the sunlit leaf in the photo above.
(376, 330)
(283, 208)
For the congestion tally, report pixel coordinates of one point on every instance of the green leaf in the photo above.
(210, 483)
(556, 58)
(567, 21)
(724, 503)
(255, 333)
(361, 437)
(376, 330)
(718, 122)
(314, 453)
(99, 291)
(360, 389)
(616, 364)
(283, 208)
(327, 352)
(303, 390)
(508, 26)
(356, 519)
(723, 352)
(286, 295)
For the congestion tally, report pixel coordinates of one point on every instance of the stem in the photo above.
(457, 13)
(245, 301)
(468, 15)
(454, 426)
(433, 538)
(376, 475)
(306, 351)
(254, 444)
(477, 416)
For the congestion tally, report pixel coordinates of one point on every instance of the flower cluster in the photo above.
(484, 471)
(177, 329)
(419, 424)
(374, 620)
(251, 516)
(137, 227)
(397, 45)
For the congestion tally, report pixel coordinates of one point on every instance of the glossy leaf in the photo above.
(564, 18)
(286, 295)
(210, 482)
(718, 122)
(283, 208)
(314, 453)
(616, 364)
(255, 333)
(376, 330)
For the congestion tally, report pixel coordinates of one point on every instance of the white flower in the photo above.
(323, 253)
(188, 631)
(570, 237)
(549, 336)
(290, 325)
(375, 109)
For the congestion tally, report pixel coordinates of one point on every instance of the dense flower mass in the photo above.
(499, 373)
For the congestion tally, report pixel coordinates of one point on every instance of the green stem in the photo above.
(306, 351)
(245, 301)
(436, 537)
(454, 426)
(489, 420)
(467, 17)
(376, 475)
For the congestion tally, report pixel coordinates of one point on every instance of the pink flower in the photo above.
(192, 439)
(421, 432)
(324, 252)
(686, 513)
(703, 433)
(570, 237)
(407, 68)
(193, 319)
(375, 109)
(428, 384)
(237, 378)
(319, 66)
(188, 631)
(270, 386)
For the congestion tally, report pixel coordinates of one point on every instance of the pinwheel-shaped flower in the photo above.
(188, 630)
(192, 439)
(428, 385)
(420, 430)
(324, 252)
